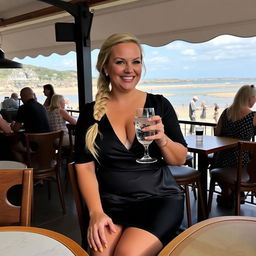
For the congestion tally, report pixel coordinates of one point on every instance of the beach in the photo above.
(181, 110)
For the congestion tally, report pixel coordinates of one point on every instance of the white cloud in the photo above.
(157, 60)
(225, 39)
(69, 63)
(189, 52)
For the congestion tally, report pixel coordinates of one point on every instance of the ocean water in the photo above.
(180, 93)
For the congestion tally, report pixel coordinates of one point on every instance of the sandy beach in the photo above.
(182, 111)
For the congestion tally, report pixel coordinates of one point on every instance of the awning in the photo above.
(155, 22)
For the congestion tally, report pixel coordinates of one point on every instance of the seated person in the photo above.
(11, 103)
(32, 116)
(236, 121)
(58, 117)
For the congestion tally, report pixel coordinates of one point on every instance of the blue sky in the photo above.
(223, 56)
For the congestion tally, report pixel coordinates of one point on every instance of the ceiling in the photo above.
(155, 22)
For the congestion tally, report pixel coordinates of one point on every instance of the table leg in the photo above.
(203, 169)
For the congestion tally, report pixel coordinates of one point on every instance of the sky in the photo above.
(222, 57)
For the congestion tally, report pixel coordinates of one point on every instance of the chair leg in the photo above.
(61, 193)
(189, 218)
(237, 203)
(211, 189)
(200, 200)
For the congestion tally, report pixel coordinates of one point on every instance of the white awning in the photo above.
(155, 22)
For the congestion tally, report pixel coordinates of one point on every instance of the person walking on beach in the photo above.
(216, 112)
(203, 113)
(192, 112)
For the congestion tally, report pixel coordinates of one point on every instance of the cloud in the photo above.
(157, 60)
(189, 52)
(69, 63)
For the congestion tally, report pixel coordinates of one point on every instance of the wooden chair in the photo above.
(71, 134)
(44, 156)
(82, 212)
(186, 176)
(240, 179)
(12, 214)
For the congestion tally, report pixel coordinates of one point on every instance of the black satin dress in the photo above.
(132, 194)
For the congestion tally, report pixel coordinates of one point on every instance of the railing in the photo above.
(208, 126)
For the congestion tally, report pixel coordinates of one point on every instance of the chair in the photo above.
(82, 212)
(186, 176)
(240, 179)
(11, 214)
(71, 134)
(43, 151)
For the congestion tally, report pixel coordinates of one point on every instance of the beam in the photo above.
(48, 11)
(83, 21)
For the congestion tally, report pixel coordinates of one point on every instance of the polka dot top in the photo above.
(242, 129)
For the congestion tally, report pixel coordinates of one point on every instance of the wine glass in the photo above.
(141, 121)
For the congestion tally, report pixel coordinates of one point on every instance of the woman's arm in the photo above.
(5, 126)
(88, 185)
(66, 116)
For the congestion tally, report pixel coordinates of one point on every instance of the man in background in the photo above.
(31, 115)
(11, 103)
(192, 112)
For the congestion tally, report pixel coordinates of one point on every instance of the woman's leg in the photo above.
(137, 242)
(112, 239)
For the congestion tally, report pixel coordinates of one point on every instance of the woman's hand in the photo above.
(158, 127)
(98, 225)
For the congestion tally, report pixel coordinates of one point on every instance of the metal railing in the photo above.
(208, 126)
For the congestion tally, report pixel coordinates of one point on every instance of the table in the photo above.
(32, 241)
(12, 165)
(229, 235)
(210, 144)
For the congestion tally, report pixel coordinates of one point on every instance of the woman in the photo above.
(237, 121)
(135, 209)
(204, 107)
(48, 92)
(58, 117)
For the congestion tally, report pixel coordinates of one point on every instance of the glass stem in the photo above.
(146, 151)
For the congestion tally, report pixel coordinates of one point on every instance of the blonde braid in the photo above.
(99, 111)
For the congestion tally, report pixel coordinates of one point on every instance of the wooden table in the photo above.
(229, 236)
(32, 241)
(210, 144)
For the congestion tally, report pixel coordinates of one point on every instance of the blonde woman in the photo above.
(58, 117)
(135, 209)
(236, 121)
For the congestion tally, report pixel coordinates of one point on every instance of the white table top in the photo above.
(33, 241)
(18, 243)
(12, 165)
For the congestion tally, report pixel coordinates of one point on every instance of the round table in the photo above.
(229, 236)
(32, 241)
(12, 165)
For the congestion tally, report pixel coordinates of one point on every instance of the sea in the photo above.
(180, 92)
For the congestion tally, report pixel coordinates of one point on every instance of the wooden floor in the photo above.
(48, 213)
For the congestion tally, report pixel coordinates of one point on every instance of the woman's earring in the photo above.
(106, 73)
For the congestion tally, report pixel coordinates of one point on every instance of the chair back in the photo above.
(71, 134)
(82, 211)
(44, 150)
(11, 214)
(246, 147)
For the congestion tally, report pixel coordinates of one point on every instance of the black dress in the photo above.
(132, 194)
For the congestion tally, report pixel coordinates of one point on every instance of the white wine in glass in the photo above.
(141, 121)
